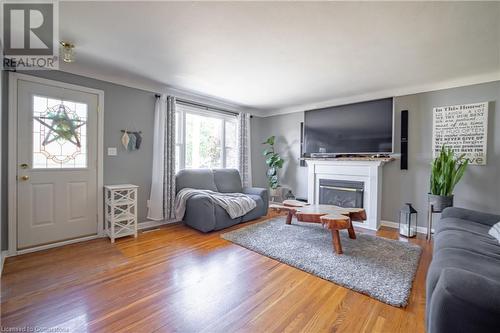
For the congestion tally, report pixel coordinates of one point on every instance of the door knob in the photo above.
(25, 177)
(24, 166)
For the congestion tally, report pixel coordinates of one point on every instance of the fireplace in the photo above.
(342, 193)
(367, 172)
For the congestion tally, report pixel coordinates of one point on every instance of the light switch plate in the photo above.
(112, 151)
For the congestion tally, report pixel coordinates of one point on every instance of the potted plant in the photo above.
(274, 163)
(447, 170)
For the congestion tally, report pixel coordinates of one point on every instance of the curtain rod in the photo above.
(204, 106)
(199, 105)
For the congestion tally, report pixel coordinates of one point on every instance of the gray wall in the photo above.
(286, 128)
(479, 189)
(124, 107)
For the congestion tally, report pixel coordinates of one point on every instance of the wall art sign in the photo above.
(463, 128)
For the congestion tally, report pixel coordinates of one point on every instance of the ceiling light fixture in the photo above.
(68, 52)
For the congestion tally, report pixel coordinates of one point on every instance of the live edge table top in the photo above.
(333, 217)
(313, 213)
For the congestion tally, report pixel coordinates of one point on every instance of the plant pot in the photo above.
(440, 202)
(276, 194)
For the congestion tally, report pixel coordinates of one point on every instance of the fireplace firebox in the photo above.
(342, 193)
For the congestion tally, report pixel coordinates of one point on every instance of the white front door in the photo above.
(56, 164)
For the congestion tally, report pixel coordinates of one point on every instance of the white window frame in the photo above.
(181, 111)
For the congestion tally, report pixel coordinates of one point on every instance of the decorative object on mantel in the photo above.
(408, 221)
(131, 140)
(120, 210)
(446, 172)
(463, 128)
(274, 163)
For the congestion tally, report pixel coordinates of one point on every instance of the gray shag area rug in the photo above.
(378, 267)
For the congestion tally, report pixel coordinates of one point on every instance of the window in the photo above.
(205, 139)
(59, 133)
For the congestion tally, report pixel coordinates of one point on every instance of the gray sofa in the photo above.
(463, 281)
(204, 215)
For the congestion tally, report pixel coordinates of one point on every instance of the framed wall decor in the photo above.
(463, 128)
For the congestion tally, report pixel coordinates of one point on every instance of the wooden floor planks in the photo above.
(179, 280)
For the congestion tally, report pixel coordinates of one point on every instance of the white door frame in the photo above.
(12, 160)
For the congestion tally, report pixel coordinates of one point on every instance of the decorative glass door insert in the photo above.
(59, 133)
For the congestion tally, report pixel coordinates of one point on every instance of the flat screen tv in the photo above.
(360, 128)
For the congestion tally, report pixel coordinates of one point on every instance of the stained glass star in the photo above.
(61, 126)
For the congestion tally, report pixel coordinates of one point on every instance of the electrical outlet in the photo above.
(112, 151)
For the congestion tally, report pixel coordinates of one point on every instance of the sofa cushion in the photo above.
(457, 239)
(463, 301)
(453, 223)
(470, 215)
(227, 180)
(200, 213)
(202, 179)
(203, 215)
(463, 251)
(477, 263)
(222, 218)
(258, 211)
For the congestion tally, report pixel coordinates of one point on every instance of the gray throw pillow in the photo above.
(495, 231)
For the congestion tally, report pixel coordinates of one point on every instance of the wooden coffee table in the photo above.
(333, 217)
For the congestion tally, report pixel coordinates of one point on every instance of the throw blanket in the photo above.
(235, 204)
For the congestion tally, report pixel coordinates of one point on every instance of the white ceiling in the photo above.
(282, 56)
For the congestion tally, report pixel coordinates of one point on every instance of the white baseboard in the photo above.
(362, 225)
(3, 255)
(153, 224)
(395, 225)
(140, 226)
(58, 244)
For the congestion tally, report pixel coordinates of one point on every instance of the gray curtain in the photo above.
(244, 159)
(169, 161)
(162, 197)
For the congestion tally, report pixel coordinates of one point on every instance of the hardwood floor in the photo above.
(179, 280)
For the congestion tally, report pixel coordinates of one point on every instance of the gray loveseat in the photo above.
(201, 213)
(463, 281)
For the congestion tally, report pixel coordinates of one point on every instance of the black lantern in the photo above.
(408, 221)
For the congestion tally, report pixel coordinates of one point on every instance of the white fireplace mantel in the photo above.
(367, 171)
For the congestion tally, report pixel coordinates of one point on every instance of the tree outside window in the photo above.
(205, 139)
